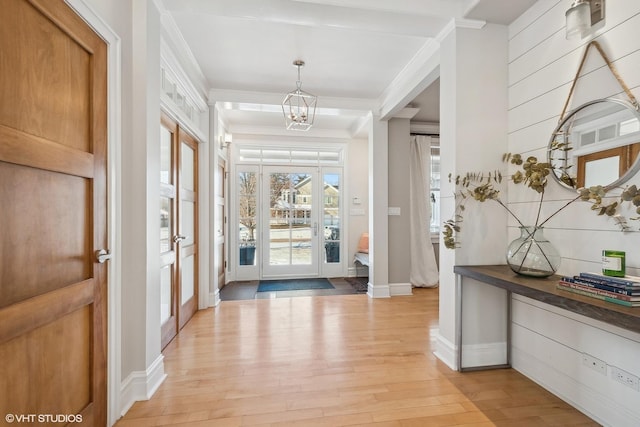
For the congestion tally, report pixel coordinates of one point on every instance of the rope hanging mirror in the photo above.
(612, 68)
(597, 143)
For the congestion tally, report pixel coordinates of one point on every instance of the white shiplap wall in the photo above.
(548, 343)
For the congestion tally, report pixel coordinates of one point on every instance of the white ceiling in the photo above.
(353, 49)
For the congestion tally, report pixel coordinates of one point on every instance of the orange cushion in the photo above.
(363, 244)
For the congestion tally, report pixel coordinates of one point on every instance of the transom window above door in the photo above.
(271, 155)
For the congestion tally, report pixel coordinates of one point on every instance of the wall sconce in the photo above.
(225, 140)
(582, 16)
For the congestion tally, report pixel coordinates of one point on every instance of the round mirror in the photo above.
(598, 143)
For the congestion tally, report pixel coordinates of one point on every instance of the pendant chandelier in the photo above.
(298, 106)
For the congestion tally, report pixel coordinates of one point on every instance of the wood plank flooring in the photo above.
(333, 361)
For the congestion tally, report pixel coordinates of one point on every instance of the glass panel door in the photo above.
(168, 224)
(331, 217)
(220, 197)
(247, 217)
(188, 231)
(290, 222)
(178, 228)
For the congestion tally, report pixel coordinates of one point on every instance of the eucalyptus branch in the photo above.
(556, 212)
(533, 175)
(509, 210)
(539, 208)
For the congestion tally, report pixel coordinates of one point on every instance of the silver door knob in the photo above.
(178, 238)
(103, 255)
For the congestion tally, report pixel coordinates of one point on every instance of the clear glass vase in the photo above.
(532, 254)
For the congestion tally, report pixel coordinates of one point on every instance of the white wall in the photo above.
(399, 225)
(356, 174)
(548, 342)
(137, 25)
(140, 76)
(473, 134)
(138, 346)
(378, 173)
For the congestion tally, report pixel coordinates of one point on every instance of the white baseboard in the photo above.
(390, 290)
(380, 291)
(141, 385)
(490, 354)
(400, 289)
(598, 406)
(446, 351)
(214, 298)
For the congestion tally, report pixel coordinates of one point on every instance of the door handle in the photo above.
(179, 237)
(315, 228)
(103, 255)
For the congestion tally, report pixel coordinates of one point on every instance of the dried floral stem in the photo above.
(539, 208)
(509, 210)
(556, 212)
(532, 174)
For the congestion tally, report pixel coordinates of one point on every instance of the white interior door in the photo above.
(291, 229)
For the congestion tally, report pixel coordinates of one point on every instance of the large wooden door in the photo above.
(178, 228)
(52, 214)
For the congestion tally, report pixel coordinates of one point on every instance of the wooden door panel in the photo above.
(53, 141)
(48, 210)
(57, 356)
(27, 39)
(24, 149)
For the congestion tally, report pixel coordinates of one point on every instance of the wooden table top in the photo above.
(545, 290)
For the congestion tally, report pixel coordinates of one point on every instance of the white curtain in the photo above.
(424, 270)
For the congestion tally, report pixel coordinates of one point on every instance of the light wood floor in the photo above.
(333, 361)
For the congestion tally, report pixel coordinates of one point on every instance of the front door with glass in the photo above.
(291, 226)
(288, 217)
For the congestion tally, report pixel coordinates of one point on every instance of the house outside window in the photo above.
(435, 187)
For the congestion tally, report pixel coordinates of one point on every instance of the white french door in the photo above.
(291, 229)
(288, 217)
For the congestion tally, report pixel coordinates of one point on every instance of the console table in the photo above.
(543, 290)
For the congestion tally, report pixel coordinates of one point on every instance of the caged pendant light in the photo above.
(298, 106)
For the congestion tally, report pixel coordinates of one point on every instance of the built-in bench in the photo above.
(362, 255)
(362, 258)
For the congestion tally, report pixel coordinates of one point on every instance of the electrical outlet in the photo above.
(593, 363)
(625, 378)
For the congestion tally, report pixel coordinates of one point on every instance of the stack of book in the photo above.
(619, 290)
